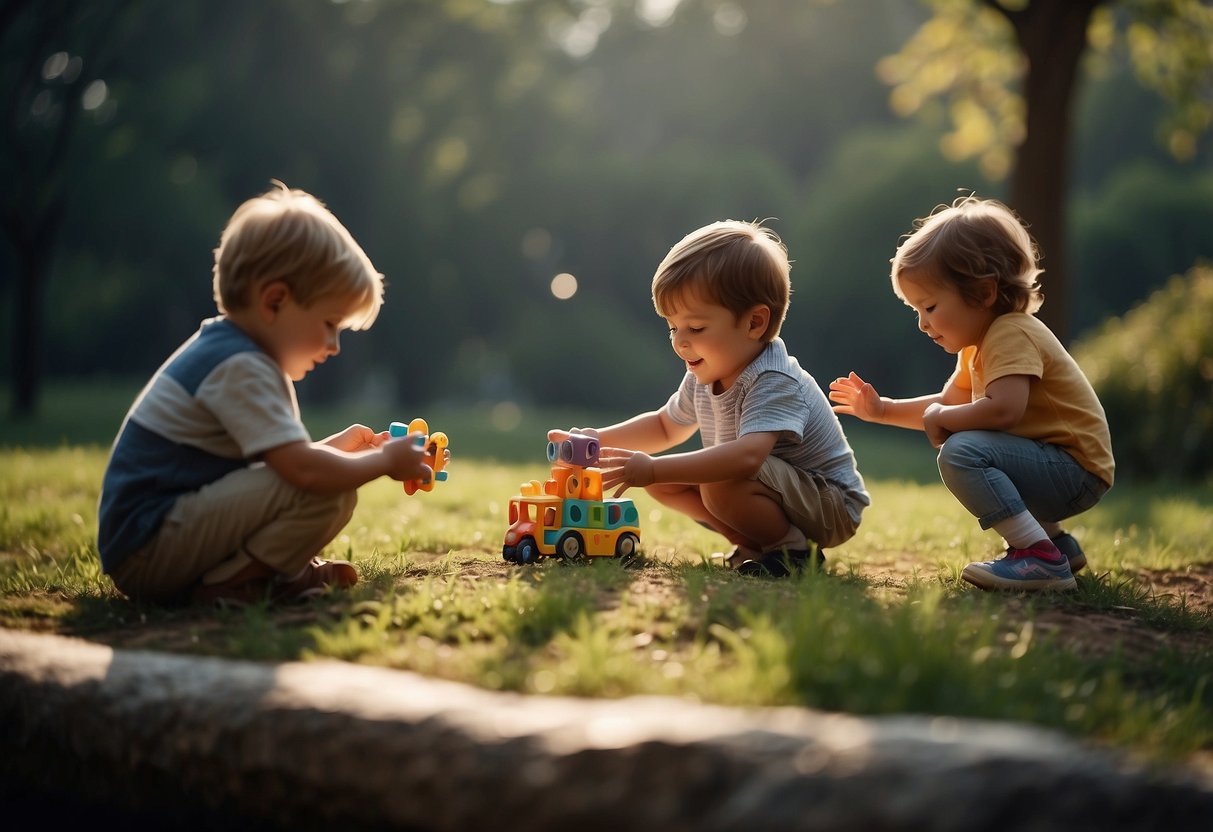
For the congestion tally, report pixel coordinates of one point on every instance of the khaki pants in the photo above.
(812, 503)
(213, 533)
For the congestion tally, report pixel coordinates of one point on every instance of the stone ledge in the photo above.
(318, 744)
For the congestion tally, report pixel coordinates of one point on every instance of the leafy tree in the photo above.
(1153, 371)
(477, 148)
(973, 53)
(133, 129)
(52, 75)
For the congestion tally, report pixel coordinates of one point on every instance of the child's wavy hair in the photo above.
(289, 235)
(970, 241)
(735, 264)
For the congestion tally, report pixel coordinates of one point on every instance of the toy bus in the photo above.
(566, 516)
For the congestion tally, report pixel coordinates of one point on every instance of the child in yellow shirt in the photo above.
(1023, 440)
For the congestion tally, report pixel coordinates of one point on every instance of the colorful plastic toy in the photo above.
(577, 451)
(566, 516)
(435, 445)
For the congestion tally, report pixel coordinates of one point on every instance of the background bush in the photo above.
(1153, 371)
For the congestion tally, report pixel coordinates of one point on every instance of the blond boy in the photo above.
(776, 475)
(214, 490)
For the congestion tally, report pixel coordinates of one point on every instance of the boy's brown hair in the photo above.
(735, 264)
(968, 242)
(289, 235)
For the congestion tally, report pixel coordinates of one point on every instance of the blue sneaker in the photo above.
(1041, 566)
(1069, 547)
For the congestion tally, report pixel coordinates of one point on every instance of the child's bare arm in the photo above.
(736, 460)
(1000, 409)
(856, 397)
(650, 432)
(329, 469)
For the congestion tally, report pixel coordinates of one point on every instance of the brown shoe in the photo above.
(314, 580)
(232, 593)
(248, 586)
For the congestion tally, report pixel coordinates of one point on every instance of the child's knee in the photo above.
(333, 509)
(342, 505)
(727, 497)
(961, 450)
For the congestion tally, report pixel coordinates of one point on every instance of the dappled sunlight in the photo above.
(480, 149)
(564, 286)
(505, 416)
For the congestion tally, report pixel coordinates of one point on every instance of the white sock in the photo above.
(793, 539)
(1021, 531)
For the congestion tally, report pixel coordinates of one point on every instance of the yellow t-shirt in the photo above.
(1062, 406)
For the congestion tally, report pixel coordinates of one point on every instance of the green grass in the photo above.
(887, 629)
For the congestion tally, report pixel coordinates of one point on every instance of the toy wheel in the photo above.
(527, 551)
(571, 547)
(510, 553)
(626, 545)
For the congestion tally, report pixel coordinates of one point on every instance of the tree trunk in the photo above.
(33, 204)
(1052, 36)
(32, 266)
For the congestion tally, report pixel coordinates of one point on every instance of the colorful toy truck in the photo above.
(566, 516)
(436, 454)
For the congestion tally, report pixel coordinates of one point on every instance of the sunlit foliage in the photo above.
(1153, 370)
(966, 58)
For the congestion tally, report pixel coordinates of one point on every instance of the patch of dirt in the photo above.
(1128, 630)
(1084, 629)
(1192, 586)
(1087, 630)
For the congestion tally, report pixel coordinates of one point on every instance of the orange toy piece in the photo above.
(436, 453)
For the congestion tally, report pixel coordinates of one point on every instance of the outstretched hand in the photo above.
(856, 397)
(625, 469)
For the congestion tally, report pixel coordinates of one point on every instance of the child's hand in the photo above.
(356, 438)
(930, 423)
(624, 468)
(406, 458)
(856, 397)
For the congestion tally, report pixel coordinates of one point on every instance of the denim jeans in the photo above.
(996, 475)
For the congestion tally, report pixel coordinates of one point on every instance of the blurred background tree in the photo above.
(55, 54)
(1153, 370)
(480, 148)
(1009, 71)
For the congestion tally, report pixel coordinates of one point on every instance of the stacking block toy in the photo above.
(435, 445)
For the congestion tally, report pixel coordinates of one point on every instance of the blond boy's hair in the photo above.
(737, 265)
(968, 242)
(288, 235)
